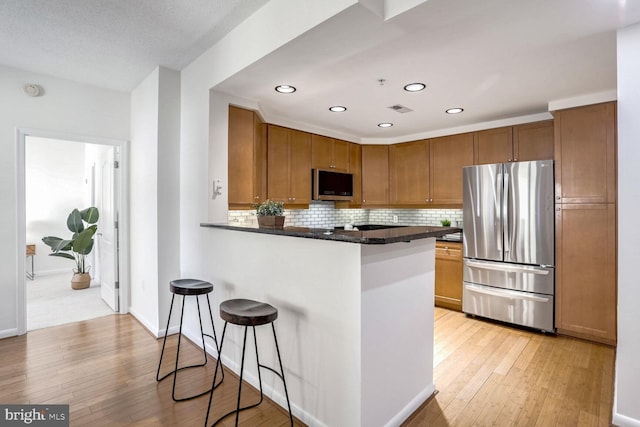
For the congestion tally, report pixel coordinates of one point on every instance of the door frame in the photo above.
(21, 227)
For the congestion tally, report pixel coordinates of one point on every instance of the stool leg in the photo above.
(175, 373)
(164, 342)
(286, 393)
(255, 342)
(244, 346)
(215, 339)
(204, 348)
(215, 374)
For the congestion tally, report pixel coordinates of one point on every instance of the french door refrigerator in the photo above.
(508, 243)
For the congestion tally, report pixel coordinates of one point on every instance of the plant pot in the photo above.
(80, 281)
(271, 221)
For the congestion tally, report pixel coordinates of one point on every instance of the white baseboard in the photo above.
(9, 333)
(412, 406)
(624, 421)
(147, 325)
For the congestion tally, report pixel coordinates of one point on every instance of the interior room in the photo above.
(59, 176)
(370, 124)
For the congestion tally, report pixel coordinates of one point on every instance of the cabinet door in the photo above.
(533, 141)
(245, 158)
(494, 146)
(340, 155)
(278, 163)
(321, 152)
(449, 154)
(375, 175)
(355, 168)
(585, 154)
(300, 167)
(586, 271)
(448, 275)
(409, 173)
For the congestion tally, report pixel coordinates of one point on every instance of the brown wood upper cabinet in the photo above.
(533, 141)
(585, 154)
(521, 143)
(329, 153)
(288, 165)
(429, 172)
(375, 175)
(247, 160)
(448, 155)
(409, 173)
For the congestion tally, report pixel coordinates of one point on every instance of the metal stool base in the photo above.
(177, 369)
(260, 366)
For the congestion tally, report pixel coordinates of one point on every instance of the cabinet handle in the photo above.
(293, 198)
(515, 160)
(558, 208)
(510, 160)
(557, 197)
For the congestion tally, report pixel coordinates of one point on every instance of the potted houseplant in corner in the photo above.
(83, 226)
(270, 214)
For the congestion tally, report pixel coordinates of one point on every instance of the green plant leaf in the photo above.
(84, 242)
(74, 221)
(90, 215)
(63, 255)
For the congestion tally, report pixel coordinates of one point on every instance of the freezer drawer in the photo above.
(520, 308)
(510, 276)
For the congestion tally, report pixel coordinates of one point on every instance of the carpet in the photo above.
(51, 302)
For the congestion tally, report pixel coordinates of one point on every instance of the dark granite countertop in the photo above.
(372, 237)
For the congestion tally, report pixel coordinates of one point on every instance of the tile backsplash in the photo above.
(324, 215)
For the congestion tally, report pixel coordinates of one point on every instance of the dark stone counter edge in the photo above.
(373, 237)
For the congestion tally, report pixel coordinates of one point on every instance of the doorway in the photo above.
(57, 173)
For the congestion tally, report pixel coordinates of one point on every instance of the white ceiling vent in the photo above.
(400, 108)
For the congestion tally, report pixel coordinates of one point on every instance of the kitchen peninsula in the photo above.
(355, 315)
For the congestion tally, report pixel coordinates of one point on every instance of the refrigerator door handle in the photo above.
(505, 214)
(506, 267)
(499, 211)
(506, 294)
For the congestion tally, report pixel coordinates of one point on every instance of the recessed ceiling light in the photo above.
(414, 87)
(456, 110)
(285, 89)
(385, 125)
(337, 108)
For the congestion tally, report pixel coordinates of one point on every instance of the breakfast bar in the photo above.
(356, 316)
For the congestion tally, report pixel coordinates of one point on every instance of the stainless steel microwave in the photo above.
(331, 185)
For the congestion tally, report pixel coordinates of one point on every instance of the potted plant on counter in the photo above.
(83, 226)
(270, 214)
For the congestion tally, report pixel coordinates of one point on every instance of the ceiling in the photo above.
(497, 59)
(113, 44)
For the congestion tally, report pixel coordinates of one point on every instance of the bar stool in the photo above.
(189, 287)
(244, 312)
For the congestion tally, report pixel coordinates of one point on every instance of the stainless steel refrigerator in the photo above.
(508, 243)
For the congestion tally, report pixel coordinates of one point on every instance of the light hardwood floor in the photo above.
(486, 374)
(489, 374)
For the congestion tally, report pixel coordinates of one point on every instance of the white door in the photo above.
(107, 236)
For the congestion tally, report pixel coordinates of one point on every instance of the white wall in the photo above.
(65, 107)
(627, 388)
(55, 184)
(154, 204)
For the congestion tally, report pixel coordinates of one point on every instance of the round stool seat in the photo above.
(190, 287)
(247, 312)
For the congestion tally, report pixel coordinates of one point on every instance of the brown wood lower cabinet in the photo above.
(448, 281)
(586, 271)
